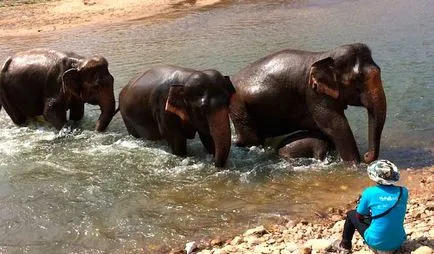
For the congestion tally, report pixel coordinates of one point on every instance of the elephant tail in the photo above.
(5, 67)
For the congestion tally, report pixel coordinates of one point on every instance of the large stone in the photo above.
(237, 240)
(190, 247)
(255, 231)
(423, 250)
(338, 227)
(319, 244)
(291, 246)
(252, 240)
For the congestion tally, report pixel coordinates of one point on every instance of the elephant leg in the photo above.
(335, 126)
(247, 135)
(130, 127)
(177, 143)
(304, 144)
(76, 112)
(16, 116)
(207, 142)
(144, 130)
(54, 113)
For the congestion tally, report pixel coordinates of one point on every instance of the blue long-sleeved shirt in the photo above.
(386, 233)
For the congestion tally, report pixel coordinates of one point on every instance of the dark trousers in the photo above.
(351, 224)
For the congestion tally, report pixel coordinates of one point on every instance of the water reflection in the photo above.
(100, 192)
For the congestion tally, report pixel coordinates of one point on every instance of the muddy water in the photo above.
(110, 192)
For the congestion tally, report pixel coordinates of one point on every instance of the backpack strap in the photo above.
(390, 209)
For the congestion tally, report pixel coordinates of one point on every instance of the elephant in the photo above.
(49, 83)
(173, 103)
(294, 90)
(304, 144)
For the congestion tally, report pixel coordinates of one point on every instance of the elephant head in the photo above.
(203, 101)
(350, 76)
(91, 81)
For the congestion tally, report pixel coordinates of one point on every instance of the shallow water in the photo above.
(110, 192)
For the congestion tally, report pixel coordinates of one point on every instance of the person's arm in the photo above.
(363, 206)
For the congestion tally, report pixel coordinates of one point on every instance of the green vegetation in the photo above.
(4, 3)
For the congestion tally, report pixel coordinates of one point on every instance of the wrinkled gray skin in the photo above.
(304, 144)
(49, 83)
(293, 90)
(173, 103)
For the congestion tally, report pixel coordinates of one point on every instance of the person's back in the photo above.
(385, 204)
(387, 232)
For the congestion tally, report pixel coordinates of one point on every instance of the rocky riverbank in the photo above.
(304, 236)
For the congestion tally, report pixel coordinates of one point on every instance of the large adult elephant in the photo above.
(173, 103)
(49, 83)
(299, 90)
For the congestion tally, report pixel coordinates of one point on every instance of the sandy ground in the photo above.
(53, 15)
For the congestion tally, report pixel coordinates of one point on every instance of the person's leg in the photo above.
(351, 224)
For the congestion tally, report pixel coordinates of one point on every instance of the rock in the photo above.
(237, 240)
(431, 233)
(261, 249)
(423, 250)
(290, 224)
(252, 240)
(319, 244)
(304, 250)
(220, 251)
(278, 228)
(229, 249)
(190, 247)
(362, 252)
(290, 247)
(176, 251)
(271, 241)
(216, 241)
(255, 231)
(338, 226)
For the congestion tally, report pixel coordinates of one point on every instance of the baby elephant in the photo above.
(173, 103)
(49, 83)
(305, 144)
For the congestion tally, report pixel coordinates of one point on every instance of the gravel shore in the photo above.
(303, 236)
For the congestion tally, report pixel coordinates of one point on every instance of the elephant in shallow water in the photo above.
(173, 103)
(49, 83)
(293, 90)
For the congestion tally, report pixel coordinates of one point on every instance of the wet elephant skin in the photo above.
(174, 103)
(293, 90)
(49, 83)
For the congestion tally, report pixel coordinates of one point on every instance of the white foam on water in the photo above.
(57, 166)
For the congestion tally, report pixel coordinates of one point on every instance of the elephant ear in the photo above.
(322, 78)
(71, 81)
(175, 102)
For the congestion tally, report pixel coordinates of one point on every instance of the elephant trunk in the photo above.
(376, 105)
(107, 106)
(221, 133)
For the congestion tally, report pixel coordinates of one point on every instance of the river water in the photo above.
(95, 192)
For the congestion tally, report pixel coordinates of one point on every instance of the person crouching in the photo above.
(379, 217)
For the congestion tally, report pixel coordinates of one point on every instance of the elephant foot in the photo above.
(369, 157)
